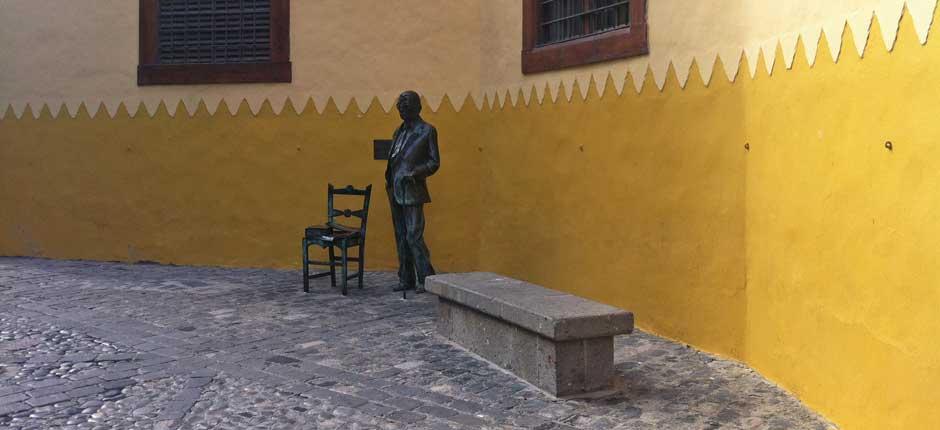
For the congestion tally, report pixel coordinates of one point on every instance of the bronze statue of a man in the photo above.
(414, 156)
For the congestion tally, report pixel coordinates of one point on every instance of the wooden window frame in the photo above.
(150, 72)
(622, 43)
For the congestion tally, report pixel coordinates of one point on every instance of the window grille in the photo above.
(214, 31)
(564, 20)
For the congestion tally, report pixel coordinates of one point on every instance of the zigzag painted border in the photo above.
(857, 26)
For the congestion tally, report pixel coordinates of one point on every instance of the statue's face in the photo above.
(409, 106)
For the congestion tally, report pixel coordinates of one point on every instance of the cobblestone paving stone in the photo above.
(89, 345)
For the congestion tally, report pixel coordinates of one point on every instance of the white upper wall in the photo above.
(85, 51)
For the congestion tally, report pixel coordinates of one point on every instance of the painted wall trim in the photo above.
(771, 52)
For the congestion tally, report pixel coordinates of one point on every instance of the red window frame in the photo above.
(150, 72)
(622, 43)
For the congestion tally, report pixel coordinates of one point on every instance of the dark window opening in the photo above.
(568, 33)
(214, 41)
(563, 20)
(214, 31)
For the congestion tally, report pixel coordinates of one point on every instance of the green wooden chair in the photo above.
(334, 235)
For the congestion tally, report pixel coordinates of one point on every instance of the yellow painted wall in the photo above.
(214, 190)
(632, 200)
(808, 257)
(843, 279)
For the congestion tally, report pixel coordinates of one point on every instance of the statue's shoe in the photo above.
(403, 287)
(420, 289)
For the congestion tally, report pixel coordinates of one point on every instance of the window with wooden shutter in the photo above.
(214, 41)
(567, 33)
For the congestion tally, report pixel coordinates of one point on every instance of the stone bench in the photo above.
(556, 341)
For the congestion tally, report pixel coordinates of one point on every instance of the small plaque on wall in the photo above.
(382, 149)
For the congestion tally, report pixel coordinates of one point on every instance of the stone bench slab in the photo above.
(556, 315)
(558, 342)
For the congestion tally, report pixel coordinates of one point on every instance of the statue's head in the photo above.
(409, 105)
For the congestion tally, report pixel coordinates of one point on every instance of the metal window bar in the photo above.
(214, 31)
(564, 20)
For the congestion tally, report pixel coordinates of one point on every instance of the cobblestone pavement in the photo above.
(103, 345)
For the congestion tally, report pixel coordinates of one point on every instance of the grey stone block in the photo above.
(297, 388)
(55, 389)
(553, 314)
(468, 420)
(544, 362)
(405, 417)
(13, 389)
(84, 391)
(556, 341)
(569, 366)
(403, 403)
(80, 357)
(175, 410)
(12, 408)
(47, 400)
(45, 383)
(598, 369)
(152, 376)
(437, 411)
(465, 406)
(188, 395)
(119, 383)
(335, 398)
(13, 398)
(373, 394)
(197, 382)
(114, 376)
(375, 409)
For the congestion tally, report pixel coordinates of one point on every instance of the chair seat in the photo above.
(345, 234)
(338, 226)
(324, 235)
(316, 231)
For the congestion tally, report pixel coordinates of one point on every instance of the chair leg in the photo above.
(303, 262)
(332, 267)
(345, 267)
(362, 264)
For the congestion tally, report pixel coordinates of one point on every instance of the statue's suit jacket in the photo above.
(418, 158)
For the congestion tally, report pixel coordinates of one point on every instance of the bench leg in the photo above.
(303, 262)
(345, 267)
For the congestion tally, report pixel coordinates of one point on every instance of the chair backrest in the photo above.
(349, 190)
